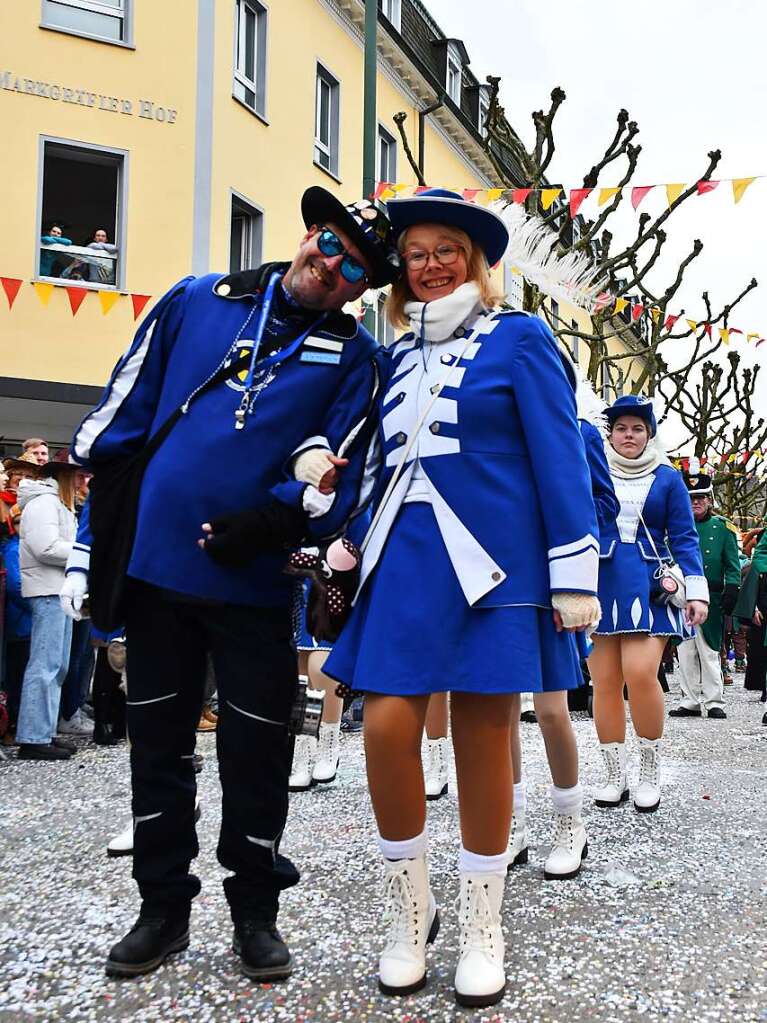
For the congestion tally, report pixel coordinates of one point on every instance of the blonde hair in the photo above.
(67, 489)
(32, 442)
(477, 271)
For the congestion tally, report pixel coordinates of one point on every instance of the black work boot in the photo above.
(148, 944)
(265, 956)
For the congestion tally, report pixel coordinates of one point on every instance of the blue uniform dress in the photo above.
(628, 565)
(492, 514)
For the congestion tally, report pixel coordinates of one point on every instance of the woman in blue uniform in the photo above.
(654, 524)
(482, 549)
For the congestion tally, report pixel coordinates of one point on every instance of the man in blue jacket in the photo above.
(307, 389)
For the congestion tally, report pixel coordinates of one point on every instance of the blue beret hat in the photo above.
(633, 405)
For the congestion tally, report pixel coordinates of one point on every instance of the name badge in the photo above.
(330, 358)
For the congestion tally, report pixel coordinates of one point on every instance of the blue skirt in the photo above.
(625, 583)
(412, 633)
(302, 638)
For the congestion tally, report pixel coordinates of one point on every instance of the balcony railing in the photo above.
(79, 263)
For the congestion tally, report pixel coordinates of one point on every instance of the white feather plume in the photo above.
(532, 250)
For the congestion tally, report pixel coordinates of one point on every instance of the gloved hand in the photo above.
(72, 593)
(576, 610)
(729, 598)
(234, 540)
(319, 467)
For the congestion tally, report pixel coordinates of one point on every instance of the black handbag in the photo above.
(113, 507)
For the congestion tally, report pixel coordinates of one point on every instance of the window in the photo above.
(514, 286)
(387, 155)
(246, 235)
(384, 329)
(554, 314)
(483, 110)
(392, 11)
(250, 54)
(453, 79)
(83, 199)
(326, 121)
(99, 19)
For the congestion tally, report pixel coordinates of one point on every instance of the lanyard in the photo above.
(272, 360)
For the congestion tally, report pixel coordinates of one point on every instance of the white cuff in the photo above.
(696, 588)
(311, 442)
(79, 559)
(574, 567)
(317, 504)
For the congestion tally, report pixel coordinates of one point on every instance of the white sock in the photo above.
(334, 726)
(520, 797)
(473, 863)
(568, 801)
(407, 849)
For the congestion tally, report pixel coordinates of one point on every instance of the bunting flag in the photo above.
(548, 195)
(43, 291)
(76, 297)
(139, 301)
(606, 194)
(706, 186)
(11, 287)
(577, 195)
(620, 305)
(519, 195)
(107, 300)
(728, 458)
(638, 194)
(673, 192)
(739, 186)
(636, 311)
(724, 334)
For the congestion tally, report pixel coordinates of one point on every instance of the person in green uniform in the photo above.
(702, 682)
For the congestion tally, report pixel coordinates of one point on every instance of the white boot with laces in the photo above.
(569, 847)
(647, 792)
(303, 762)
(328, 753)
(412, 920)
(435, 768)
(615, 790)
(518, 851)
(480, 979)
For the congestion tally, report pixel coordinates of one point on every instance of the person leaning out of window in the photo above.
(50, 265)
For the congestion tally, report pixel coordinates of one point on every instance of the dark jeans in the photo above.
(256, 673)
(75, 688)
(16, 657)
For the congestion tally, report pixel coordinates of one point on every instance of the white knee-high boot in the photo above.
(569, 847)
(518, 853)
(480, 979)
(615, 790)
(647, 792)
(435, 768)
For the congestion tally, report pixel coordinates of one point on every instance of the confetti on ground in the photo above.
(666, 921)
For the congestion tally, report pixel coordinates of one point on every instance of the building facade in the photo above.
(144, 141)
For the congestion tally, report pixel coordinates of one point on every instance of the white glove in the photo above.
(72, 593)
(311, 466)
(577, 609)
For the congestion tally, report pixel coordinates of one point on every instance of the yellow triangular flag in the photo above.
(673, 192)
(692, 325)
(739, 186)
(605, 194)
(750, 336)
(655, 313)
(620, 305)
(516, 270)
(388, 193)
(494, 194)
(108, 299)
(724, 334)
(548, 195)
(44, 291)
(731, 458)
(399, 188)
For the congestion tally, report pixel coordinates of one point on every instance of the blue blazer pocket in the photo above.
(607, 548)
(648, 554)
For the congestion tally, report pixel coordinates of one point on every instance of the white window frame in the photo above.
(123, 14)
(329, 148)
(483, 109)
(252, 249)
(386, 139)
(256, 83)
(454, 65)
(514, 286)
(384, 331)
(121, 157)
(392, 11)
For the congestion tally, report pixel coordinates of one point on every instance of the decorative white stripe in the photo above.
(79, 559)
(578, 572)
(311, 442)
(324, 342)
(147, 817)
(636, 612)
(143, 703)
(696, 587)
(615, 614)
(571, 548)
(264, 842)
(255, 717)
(98, 421)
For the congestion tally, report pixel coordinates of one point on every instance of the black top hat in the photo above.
(698, 484)
(365, 225)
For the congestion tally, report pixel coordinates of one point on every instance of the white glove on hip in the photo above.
(311, 466)
(577, 609)
(72, 593)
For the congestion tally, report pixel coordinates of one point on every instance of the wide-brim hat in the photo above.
(440, 206)
(365, 224)
(698, 484)
(633, 405)
(54, 470)
(22, 464)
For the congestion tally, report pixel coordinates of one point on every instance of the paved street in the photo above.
(668, 920)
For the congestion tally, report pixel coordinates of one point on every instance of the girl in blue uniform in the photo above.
(654, 524)
(482, 549)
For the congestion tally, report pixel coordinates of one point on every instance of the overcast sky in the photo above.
(690, 72)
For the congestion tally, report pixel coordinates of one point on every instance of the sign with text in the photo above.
(146, 108)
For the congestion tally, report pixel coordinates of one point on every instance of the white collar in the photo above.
(437, 320)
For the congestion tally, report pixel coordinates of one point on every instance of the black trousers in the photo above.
(756, 665)
(256, 673)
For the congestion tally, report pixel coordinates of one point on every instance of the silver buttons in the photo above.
(223, 290)
(448, 360)
(459, 332)
(434, 427)
(496, 577)
(401, 438)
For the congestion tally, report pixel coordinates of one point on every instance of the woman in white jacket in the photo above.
(47, 531)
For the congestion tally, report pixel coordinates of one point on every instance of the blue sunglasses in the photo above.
(330, 244)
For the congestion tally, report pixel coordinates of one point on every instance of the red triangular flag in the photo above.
(380, 189)
(139, 301)
(76, 296)
(670, 321)
(421, 188)
(577, 195)
(707, 328)
(735, 330)
(703, 460)
(470, 194)
(638, 194)
(685, 464)
(11, 287)
(636, 311)
(706, 186)
(520, 194)
(746, 456)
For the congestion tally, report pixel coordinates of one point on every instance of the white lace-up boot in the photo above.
(328, 753)
(412, 921)
(480, 979)
(518, 851)
(615, 790)
(122, 843)
(303, 762)
(569, 848)
(647, 792)
(435, 768)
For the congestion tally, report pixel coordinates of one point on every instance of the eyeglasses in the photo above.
(417, 259)
(330, 244)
